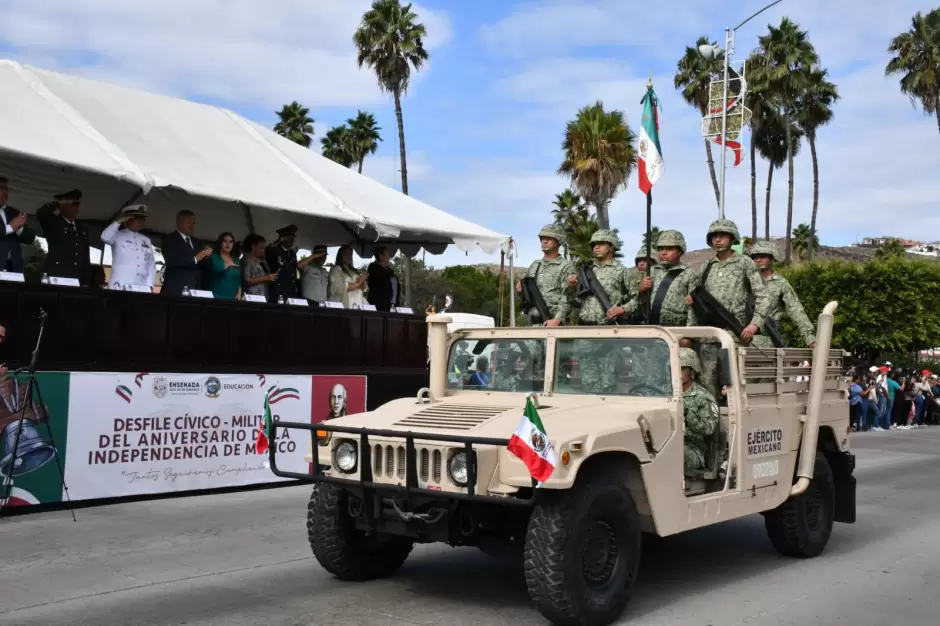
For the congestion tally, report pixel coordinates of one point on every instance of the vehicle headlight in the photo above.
(345, 457)
(457, 468)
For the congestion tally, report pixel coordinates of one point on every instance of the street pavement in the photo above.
(239, 559)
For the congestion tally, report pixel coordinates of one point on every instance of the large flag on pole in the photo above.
(651, 152)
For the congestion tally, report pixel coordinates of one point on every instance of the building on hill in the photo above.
(877, 242)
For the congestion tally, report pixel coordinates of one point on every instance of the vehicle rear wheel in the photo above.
(582, 552)
(801, 526)
(344, 551)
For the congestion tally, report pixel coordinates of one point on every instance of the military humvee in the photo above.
(436, 468)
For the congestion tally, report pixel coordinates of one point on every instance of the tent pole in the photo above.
(512, 285)
(502, 286)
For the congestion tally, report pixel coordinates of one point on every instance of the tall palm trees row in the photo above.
(389, 41)
(917, 61)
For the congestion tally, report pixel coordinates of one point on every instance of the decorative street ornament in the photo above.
(739, 116)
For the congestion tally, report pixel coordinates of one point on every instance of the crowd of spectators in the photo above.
(884, 398)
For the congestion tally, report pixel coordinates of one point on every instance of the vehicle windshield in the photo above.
(497, 365)
(613, 366)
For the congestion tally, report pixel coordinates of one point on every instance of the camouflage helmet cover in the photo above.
(765, 248)
(553, 231)
(641, 254)
(688, 358)
(670, 239)
(606, 236)
(723, 226)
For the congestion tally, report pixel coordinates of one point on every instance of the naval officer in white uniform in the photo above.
(132, 256)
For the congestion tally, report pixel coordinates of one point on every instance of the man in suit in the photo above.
(282, 259)
(16, 233)
(183, 254)
(67, 239)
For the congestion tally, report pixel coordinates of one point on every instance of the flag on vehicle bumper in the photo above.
(531, 444)
(262, 441)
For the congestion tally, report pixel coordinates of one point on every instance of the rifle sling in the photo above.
(661, 294)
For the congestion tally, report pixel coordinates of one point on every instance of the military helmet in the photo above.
(766, 248)
(641, 254)
(606, 236)
(688, 358)
(553, 231)
(671, 239)
(723, 226)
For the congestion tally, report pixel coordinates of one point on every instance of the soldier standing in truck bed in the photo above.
(783, 298)
(554, 275)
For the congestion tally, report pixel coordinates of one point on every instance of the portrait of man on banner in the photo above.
(337, 396)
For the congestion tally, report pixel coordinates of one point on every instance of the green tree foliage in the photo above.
(887, 305)
(890, 248)
(32, 269)
(295, 123)
(474, 288)
(917, 61)
(335, 145)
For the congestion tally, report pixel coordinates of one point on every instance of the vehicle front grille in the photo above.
(453, 416)
(389, 461)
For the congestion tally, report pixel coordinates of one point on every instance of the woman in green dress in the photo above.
(225, 274)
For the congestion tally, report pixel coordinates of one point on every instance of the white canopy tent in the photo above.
(120, 145)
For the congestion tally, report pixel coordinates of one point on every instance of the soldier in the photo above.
(598, 362)
(638, 273)
(133, 260)
(732, 279)
(782, 297)
(67, 239)
(282, 259)
(554, 277)
(700, 408)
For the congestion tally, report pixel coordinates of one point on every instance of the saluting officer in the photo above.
(66, 238)
(554, 276)
(282, 259)
(783, 298)
(133, 261)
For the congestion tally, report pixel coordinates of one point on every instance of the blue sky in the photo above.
(484, 118)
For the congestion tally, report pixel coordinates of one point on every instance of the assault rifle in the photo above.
(532, 299)
(771, 327)
(711, 312)
(590, 286)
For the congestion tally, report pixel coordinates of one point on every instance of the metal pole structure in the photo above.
(512, 285)
(724, 125)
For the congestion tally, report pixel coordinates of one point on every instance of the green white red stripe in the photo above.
(531, 444)
(277, 394)
(262, 440)
(651, 163)
(124, 392)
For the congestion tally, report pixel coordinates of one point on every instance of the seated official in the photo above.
(133, 261)
(256, 276)
(225, 275)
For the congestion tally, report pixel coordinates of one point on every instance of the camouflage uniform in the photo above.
(701, 414)
(731, 282)
(505, 376)
(598, 362)
(634, 275)
(551, 277)
(783, 299)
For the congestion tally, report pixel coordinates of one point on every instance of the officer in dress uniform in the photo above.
(133, 260)
(67, 239)
(282, 259)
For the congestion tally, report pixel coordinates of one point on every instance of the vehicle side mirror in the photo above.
(724, 367)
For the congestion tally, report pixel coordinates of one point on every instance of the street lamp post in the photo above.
(708, 53)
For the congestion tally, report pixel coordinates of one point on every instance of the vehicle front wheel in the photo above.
(801, 526)
(342, 550)
(582, 552)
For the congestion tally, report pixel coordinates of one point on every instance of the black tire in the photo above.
(801, 526)
(342, 550)
(560, 530)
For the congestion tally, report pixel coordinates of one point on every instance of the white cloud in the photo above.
(243, 52)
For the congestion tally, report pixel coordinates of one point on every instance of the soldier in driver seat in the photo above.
(701, 411)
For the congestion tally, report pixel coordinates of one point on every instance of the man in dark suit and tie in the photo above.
(67, 239)
(16, 233)
(183, 254)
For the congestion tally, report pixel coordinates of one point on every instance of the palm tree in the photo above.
(390, 40)
(757, 101)
(363, 136)
(569, 213)
(785, 57)
(814, 109)
(917, 59)
(693, 78)
(654, 234)
(804, 240)
(599, 156)
(295, 123)
(335, 145)
(770, 141)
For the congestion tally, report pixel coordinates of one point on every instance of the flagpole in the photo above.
(512, 285)
(648, 304)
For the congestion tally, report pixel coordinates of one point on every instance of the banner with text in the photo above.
(131, 434)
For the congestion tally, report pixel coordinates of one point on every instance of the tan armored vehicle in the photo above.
(436, 468)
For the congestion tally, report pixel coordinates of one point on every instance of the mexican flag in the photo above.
(651, 153)
(531, 444)
(261, 443)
